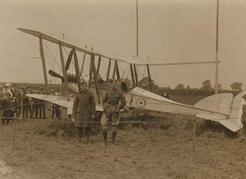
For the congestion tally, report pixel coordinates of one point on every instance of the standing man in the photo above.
(113, 102)
(243, 118)
(84, 109)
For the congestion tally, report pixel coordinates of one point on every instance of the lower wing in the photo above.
(63, 101)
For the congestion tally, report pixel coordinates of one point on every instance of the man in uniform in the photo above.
(84, 109)
(113, 102)
(243, 118)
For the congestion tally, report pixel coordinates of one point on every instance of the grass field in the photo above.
(168, 149)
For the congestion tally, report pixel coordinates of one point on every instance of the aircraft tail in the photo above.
(234, 123)
(219, 103)
(228, 109)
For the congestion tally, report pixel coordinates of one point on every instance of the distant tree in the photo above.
(188, 90)
(145, 82)
(236, 86)
(206, 85)
(180, 87)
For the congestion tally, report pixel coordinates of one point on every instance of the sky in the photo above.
(169, 31)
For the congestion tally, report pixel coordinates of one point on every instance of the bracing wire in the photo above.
(123, 74)
(67, 53)
(143, 73)
(53, 56)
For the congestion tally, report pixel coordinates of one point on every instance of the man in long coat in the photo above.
(84, 109)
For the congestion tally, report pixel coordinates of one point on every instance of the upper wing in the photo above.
(144, 61)
(137, 61)
(60, 100)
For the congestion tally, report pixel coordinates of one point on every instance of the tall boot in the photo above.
(105, 136)
(113, 136)
(80, 134)
(87, 134)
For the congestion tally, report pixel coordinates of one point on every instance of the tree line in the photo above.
(206, 88)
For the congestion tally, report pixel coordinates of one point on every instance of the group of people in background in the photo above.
(14, 103)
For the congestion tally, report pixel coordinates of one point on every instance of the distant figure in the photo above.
(27, 104)
(9, 90)
(113, 102)
(243, 118)
(8, 109)
(123, 86)
(84, 109)
(56, 112)
(18, 97)
(165, 95)
(42, 105)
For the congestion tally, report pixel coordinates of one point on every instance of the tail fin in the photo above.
(220, 103)
(234, 122)
(225, 103)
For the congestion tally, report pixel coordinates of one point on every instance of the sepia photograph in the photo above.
(122, 89)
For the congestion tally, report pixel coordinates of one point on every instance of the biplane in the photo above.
(223, 108)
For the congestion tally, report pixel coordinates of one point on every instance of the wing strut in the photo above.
(43, 61)
(113, 76)
(93, 68)
(132, 75)
(150, 84)
(99, 64)
(76, 64)
(109, 67)
(136, 74)
(117, 71)
(83, 64)
(63, 68)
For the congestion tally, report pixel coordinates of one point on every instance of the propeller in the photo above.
(69, 60)
(54, 74)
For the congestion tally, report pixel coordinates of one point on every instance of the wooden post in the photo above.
(14, 131)
(21, 108)
(109, 67)
(150, 83)
(217, 49)
(43, 61)
(136, 27)
(132, 76)
(136, 74)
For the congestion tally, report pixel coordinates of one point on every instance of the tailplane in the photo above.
(234, 123)
(228, 109)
